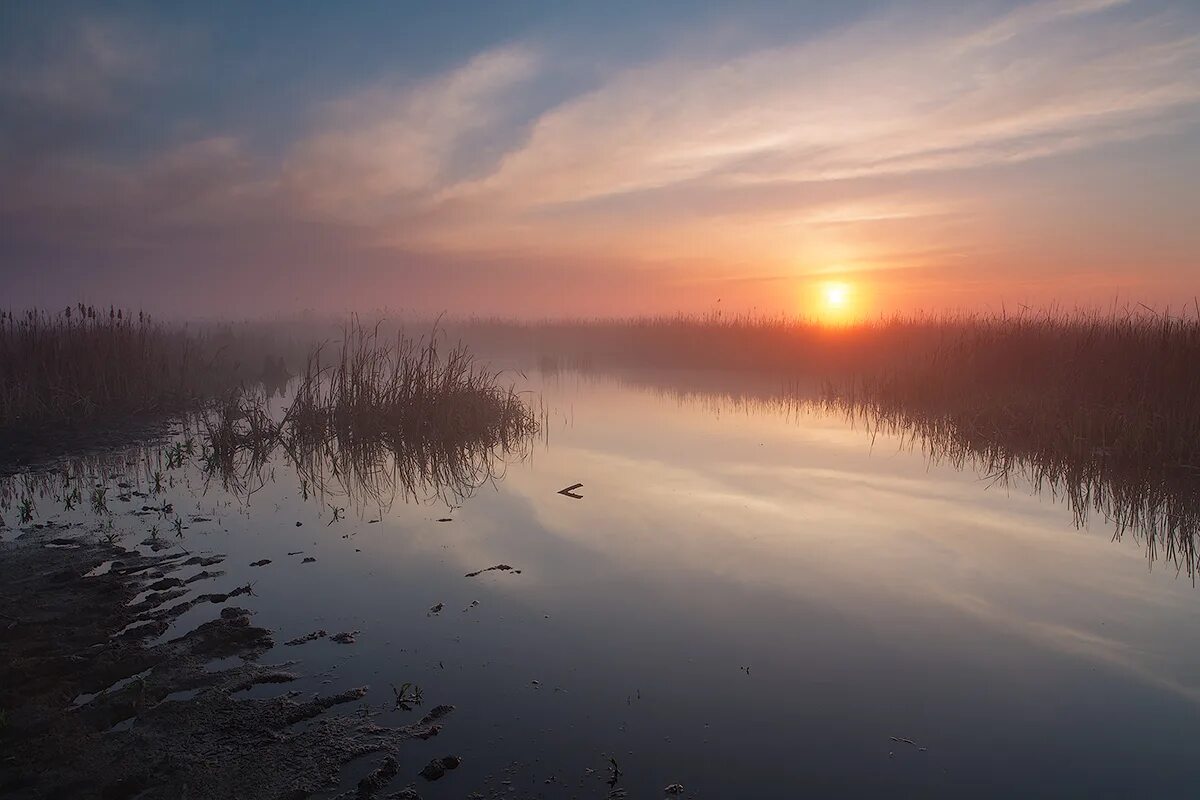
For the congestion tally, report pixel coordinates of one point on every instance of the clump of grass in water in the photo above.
(383, 416)
(26, 510)
(405, 391)
(99, 500)
(408, 695)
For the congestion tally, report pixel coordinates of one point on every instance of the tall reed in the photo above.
(381, 416)
(83, 365)
(1103, 410)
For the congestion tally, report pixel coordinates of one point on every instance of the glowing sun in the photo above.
(836, 295)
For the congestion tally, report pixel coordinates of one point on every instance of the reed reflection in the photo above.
(1138, 491)
(381, 420)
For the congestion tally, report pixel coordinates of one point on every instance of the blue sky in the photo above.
(600, 158)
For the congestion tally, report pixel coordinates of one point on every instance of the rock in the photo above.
(262, 562)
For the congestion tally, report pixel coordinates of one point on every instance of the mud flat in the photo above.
(93, 705)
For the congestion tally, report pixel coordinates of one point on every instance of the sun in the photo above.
(833, 302)
(836, 295)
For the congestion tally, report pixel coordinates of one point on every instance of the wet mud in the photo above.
(96, 705)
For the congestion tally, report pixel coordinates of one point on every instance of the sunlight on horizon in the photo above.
(833, 302)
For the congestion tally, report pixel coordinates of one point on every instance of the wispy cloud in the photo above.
(859, 148)
(393, 148)
(84, 68)
(860, 108)
(880, 98)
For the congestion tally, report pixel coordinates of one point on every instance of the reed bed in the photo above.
(83, 366)
(738, 342)
(1103, 410)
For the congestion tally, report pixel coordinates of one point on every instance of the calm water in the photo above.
(747, 601)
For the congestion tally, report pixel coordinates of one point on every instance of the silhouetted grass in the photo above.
(82, 366)
(382, 416)
(703, 341)
(1103, 410)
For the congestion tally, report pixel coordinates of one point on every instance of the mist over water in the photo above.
(753, 596)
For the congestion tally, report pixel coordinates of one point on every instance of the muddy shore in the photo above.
(92, 706)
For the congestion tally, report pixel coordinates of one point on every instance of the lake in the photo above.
(750, 598)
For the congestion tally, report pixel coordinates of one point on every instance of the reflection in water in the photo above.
(744, 580)
(240, 443)
(1156, 503)
(367, 464)
(238, 446)
(375, 471)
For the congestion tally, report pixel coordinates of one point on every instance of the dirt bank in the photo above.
(91, 706)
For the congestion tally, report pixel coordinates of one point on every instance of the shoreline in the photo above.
(93, 708)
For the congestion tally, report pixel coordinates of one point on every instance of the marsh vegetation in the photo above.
(83, 368)
(378, 417)
(1099, 410)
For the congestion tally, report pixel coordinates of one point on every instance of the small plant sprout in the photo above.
(407, 696)
(177, 525)
(26, 510)
(156, 482)
(100, 500)
(175, 455)
(71, 499)
(338, 513)
(154, 533)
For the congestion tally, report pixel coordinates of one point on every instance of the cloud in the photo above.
(391, 149)
(688, 157)
(859, 148)
(83, 69)
(876, 99)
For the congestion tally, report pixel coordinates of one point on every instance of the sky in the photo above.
(535, 159)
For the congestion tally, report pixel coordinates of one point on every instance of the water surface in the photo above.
(750, 600)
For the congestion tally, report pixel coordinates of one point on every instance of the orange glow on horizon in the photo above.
(833, 302)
